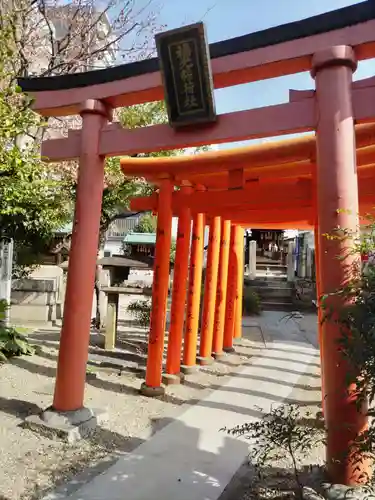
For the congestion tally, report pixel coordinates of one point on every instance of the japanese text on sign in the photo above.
(186, 75)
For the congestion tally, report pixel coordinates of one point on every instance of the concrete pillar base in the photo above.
(229, 350)
(205, 361)
(188, 369)
(218, 356)
(152, 392)
(68, 425)
(341, 492)
(170, 379)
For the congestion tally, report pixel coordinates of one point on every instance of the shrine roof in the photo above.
(140, 238)
(319, 24)
(120, 261)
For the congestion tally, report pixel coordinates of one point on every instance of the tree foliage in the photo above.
(117, 189)
(44, 37)
(33, 202)
(141, 311)
(54, 37)
(49, 37)
(147, 224)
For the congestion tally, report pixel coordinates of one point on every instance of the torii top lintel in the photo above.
(265, 54)
(276, 159)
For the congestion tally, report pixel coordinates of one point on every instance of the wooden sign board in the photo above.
(186, 73)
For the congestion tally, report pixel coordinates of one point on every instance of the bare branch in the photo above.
(66, 36)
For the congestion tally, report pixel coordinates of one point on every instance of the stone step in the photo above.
(269, 276)
(272, 266)
(269, 282)
(277, 306)
(269, 292)
(271, 270)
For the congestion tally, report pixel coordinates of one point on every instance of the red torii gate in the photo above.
(328, 45)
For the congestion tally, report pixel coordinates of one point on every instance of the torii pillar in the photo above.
(237, 331)
(232, 290)
(189, 363)
(221, 292)
(178, 307)
(210, 290)
(337, 189)
(153, 383)
(68, 411)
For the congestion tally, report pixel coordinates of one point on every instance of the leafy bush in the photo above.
(141, 311)
(12, 343)
(172, 253)
(279, 434)
(3, 309)
(251, 302)
(146, 224)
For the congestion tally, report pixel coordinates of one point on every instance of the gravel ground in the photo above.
(31, 464)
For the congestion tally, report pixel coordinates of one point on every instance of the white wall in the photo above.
(174, 227)
(113, 246)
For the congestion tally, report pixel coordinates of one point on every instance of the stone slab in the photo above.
(169, 379)
(36, 284)
(342, 492)
(69, 426)
(34, 298)
(33, 314)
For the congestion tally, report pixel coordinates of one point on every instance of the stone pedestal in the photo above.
(290, 262)
(34, 300)
(308, 262)
(70, 425)
(252, 259)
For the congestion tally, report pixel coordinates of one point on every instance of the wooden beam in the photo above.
(220, 180)
(292, 117)
(275, 120)
(282, 194)
(254, 196)
(365, 163)
(263, 155)
(144, 203)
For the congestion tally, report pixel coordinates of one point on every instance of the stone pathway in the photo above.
(190, 458)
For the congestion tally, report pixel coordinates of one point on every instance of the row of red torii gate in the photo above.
(298, 184)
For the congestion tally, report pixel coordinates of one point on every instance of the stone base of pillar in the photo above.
(169, 379)
(152, 392)
(219, 355)
(341, 492)
(69, 425)
(205, 361)
(188, 369)
(229, 350)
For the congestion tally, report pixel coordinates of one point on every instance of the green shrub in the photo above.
(250, 302)
(141, 311)
(280, 434)
(12, 343)
(172, 253)
(3, 309)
